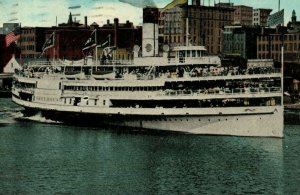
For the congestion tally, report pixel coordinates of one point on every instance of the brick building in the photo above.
(205, 25)
(70, 39)
(243, 15)
(260, 16)
(31, 43)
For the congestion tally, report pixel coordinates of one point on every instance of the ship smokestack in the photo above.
(150, 32)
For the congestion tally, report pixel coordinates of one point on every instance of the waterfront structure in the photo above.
(70, 39)
(243, 15)
(205, 25)
(260, 16)
(188, 92)
(31, 43)
(238, 41)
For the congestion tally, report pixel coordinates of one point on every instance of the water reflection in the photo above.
(38, 158)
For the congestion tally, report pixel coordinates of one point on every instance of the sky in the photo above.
(43, 13)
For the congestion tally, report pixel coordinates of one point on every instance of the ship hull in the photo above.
(264, 122)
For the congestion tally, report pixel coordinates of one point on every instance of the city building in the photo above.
(260, 16)
(31, 42)
(294, 25)
(238, 41)
(205, 25)
(269, 45)
(243, 15)
(70, 39)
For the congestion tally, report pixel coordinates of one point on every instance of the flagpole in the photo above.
(20, 43)
(54, 50)
(96, 51)
(187, 24)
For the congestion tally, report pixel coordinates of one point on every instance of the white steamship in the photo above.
(189, 92)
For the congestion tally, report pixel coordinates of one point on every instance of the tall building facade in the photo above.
(31, 42)
(243, 15)
(269, 46)
(260, 16)
(238, 41)
(205, 25)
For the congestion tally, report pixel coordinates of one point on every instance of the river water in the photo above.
(51, 158)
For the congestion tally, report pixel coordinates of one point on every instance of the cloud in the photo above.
(139, 3)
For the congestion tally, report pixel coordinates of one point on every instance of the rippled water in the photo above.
(39, 158)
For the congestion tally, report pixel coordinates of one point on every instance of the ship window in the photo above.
(87, 102)
(103, 102)
(193, 53)
(95, 102)
(70, 101)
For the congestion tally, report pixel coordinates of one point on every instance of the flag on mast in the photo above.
(276, 19)
(105, 42)
(91, 42)
(12, 37)
(175, 3)
(49, 43)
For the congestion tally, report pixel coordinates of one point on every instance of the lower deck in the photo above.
(266, 121)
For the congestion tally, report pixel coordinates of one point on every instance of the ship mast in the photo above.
(187, 24)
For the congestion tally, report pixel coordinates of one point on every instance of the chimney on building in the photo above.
(85, 22)
(108, 21)
(116, 29)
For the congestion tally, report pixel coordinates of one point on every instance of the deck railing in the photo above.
(224, 91)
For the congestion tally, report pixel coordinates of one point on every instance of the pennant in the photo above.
(175, 3)
(49, 43)
(91, 42)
